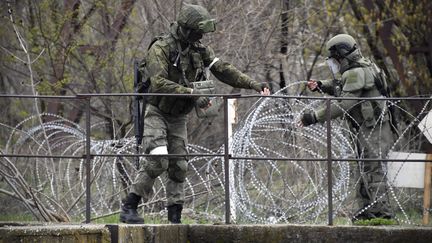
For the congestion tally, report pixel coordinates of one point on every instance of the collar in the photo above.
(347, 64)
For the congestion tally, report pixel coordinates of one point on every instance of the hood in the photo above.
(352, 60)
(174, 27)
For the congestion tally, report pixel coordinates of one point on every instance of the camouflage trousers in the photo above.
(161, 129)
(373, 143)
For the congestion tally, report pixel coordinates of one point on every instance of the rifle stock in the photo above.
(138, 110)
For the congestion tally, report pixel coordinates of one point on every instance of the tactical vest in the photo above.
(185, 67)
(367, 112)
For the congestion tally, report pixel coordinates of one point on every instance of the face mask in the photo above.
(189, 35)
(334, 65)
(194, 36)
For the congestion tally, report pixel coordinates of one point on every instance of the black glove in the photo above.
(203, 101)
(308, 119)
(259, 86)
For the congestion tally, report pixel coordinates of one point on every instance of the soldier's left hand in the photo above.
(308, 119)
(203, 102)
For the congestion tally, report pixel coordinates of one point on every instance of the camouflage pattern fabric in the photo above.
(163, 130)
(197, 18)
(369, 121)
(166, 117)
(167, 78)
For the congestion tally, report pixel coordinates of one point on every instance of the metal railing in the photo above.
(88, 156)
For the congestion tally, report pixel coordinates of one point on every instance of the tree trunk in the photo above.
(283, 42)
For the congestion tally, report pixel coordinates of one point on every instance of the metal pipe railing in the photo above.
(329, 164)
(228, 96)
(226, 164)
(208, 155)
(88, 161)
(88, 156)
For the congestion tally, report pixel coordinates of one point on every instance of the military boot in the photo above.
(174, 213)
(362, 215)
(129, 212)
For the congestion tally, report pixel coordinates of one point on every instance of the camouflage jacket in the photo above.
(164, 64)
(358, 80)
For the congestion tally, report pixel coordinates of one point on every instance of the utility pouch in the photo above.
(207, 87)
(367, 112)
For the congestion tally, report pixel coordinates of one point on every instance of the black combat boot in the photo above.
(362, 215)
(174, 213)
(129, 212)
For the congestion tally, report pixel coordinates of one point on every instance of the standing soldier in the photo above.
(369, 120)
(172, 63)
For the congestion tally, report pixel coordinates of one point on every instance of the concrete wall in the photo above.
(123, 233)
(55, 234)
(304, 233)
(211, 233)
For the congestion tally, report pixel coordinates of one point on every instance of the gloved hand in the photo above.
(308, 119)
(259, 87)
(314, 85)
(203, 101)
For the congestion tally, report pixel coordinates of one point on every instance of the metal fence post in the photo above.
(226, 163)
(329, 163)
(88, 160)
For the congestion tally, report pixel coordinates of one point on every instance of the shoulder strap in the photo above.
(160, 37)
(380, 80)
(177, 62)
(174, 54)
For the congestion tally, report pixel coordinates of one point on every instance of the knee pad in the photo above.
(159, 150)
(177, 171)
(157, 165)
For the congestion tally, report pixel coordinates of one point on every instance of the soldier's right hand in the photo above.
(313, 85)
(261, 88)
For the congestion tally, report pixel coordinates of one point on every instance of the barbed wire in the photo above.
(261, 191)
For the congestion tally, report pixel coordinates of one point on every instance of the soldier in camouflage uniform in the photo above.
(173, 62)
(369, 120)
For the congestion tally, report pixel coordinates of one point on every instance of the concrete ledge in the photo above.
(306, 233)
(147, 233)
(55, 233)
(266, 233)
(212, 233)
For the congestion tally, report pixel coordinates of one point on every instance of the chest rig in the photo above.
(193, 64)
(188, 63)
(185, 67)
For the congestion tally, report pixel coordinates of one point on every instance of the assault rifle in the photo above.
(139, 105)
